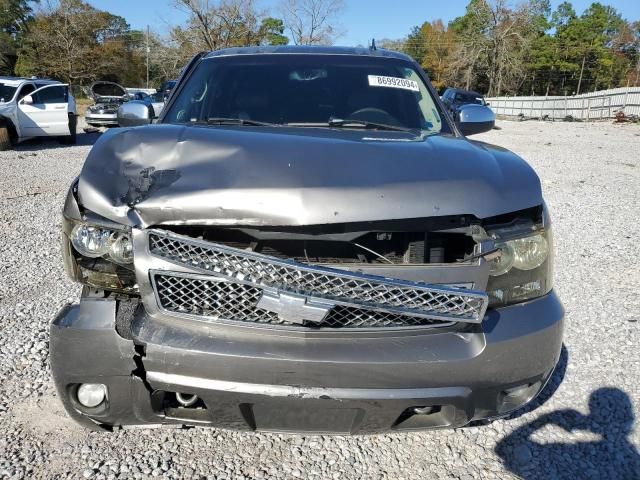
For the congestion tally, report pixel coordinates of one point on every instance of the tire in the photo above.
(5, 138)
(73, 124)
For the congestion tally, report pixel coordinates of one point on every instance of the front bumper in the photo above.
(101, 119)
(323, 384)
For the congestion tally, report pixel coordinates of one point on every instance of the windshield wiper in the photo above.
(233, 121)
(346, 123)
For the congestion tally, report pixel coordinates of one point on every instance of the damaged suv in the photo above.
(304, 242)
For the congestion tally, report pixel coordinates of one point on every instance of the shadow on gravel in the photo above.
(39, 144)
(608, 454)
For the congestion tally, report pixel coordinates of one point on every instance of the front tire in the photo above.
(72, 138)
(5, 138)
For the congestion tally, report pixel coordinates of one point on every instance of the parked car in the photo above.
(155, 100)
(456, 98)
(108, 96)
(166, 87)
(305, 241)
(32, 107)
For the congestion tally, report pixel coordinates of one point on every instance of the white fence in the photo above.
(589, 106)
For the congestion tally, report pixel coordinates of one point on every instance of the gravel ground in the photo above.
(582, 426)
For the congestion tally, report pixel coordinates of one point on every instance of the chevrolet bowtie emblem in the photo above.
(294, 308)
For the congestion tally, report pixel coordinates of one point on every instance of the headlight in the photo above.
(93, 241)
(121, 249)
(90, 241)
(524, 269)
(99, 256)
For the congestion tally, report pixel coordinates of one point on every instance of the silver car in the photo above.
(108, 97)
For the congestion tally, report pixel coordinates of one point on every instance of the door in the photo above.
(47, 114)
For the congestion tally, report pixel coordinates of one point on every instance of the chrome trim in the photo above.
(172, 379)
(290, 326)
(372, 292)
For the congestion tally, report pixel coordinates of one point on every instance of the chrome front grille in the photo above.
(222, 300)
(358, 300)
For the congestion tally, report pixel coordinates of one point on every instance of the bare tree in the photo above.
(312, 21)
(215, 25)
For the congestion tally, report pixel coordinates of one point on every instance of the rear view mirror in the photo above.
(134, 114)
(27, 100)
(475, 119)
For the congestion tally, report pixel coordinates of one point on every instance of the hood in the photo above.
(172, 174)
(108, 92)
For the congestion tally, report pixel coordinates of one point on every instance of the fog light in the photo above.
(515, 397)
(91, 395)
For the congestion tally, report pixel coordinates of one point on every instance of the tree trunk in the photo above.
(584, 57)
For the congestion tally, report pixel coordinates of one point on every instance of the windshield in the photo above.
(305, 90)
(473, 98)
(6, 92)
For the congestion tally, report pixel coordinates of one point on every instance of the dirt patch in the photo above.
(44, 418)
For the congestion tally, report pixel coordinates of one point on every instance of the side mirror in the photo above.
(27, 100)
(475, 119)
(134, 114)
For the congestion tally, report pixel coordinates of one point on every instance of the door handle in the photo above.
(60, 108)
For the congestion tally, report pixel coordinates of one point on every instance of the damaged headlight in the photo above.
(99, 256)
(524, 269)
(93, 241)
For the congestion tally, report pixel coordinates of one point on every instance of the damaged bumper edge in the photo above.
(245, 381)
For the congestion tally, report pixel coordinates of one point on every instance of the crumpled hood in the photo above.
(171, 174)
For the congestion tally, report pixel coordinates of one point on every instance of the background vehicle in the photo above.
(304, 242)
(154, 100)
(157, 102)
(108, 97)
(454, 98)
(31, 107)
(166, 87)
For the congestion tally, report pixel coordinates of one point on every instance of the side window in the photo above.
(56, 94)
(25, 90)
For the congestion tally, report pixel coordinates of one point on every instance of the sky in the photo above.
(361, 20)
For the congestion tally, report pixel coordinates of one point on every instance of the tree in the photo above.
(15, 17)
(312, 22)
(229, 23)
(77, 43)
(432, 45)
(471, 51)
(271, 32)
(501, 46)
(586, 42)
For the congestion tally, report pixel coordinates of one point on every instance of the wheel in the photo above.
(71, 139)
(5, 138)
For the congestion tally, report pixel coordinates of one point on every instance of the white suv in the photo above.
(31, 107)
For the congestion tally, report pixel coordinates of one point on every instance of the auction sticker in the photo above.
(393, 82)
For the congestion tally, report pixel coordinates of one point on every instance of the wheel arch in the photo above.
(13, 132)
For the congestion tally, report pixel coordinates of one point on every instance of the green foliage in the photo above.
(504, 47)
(15, 17)
(271, 32)
(77, 43)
